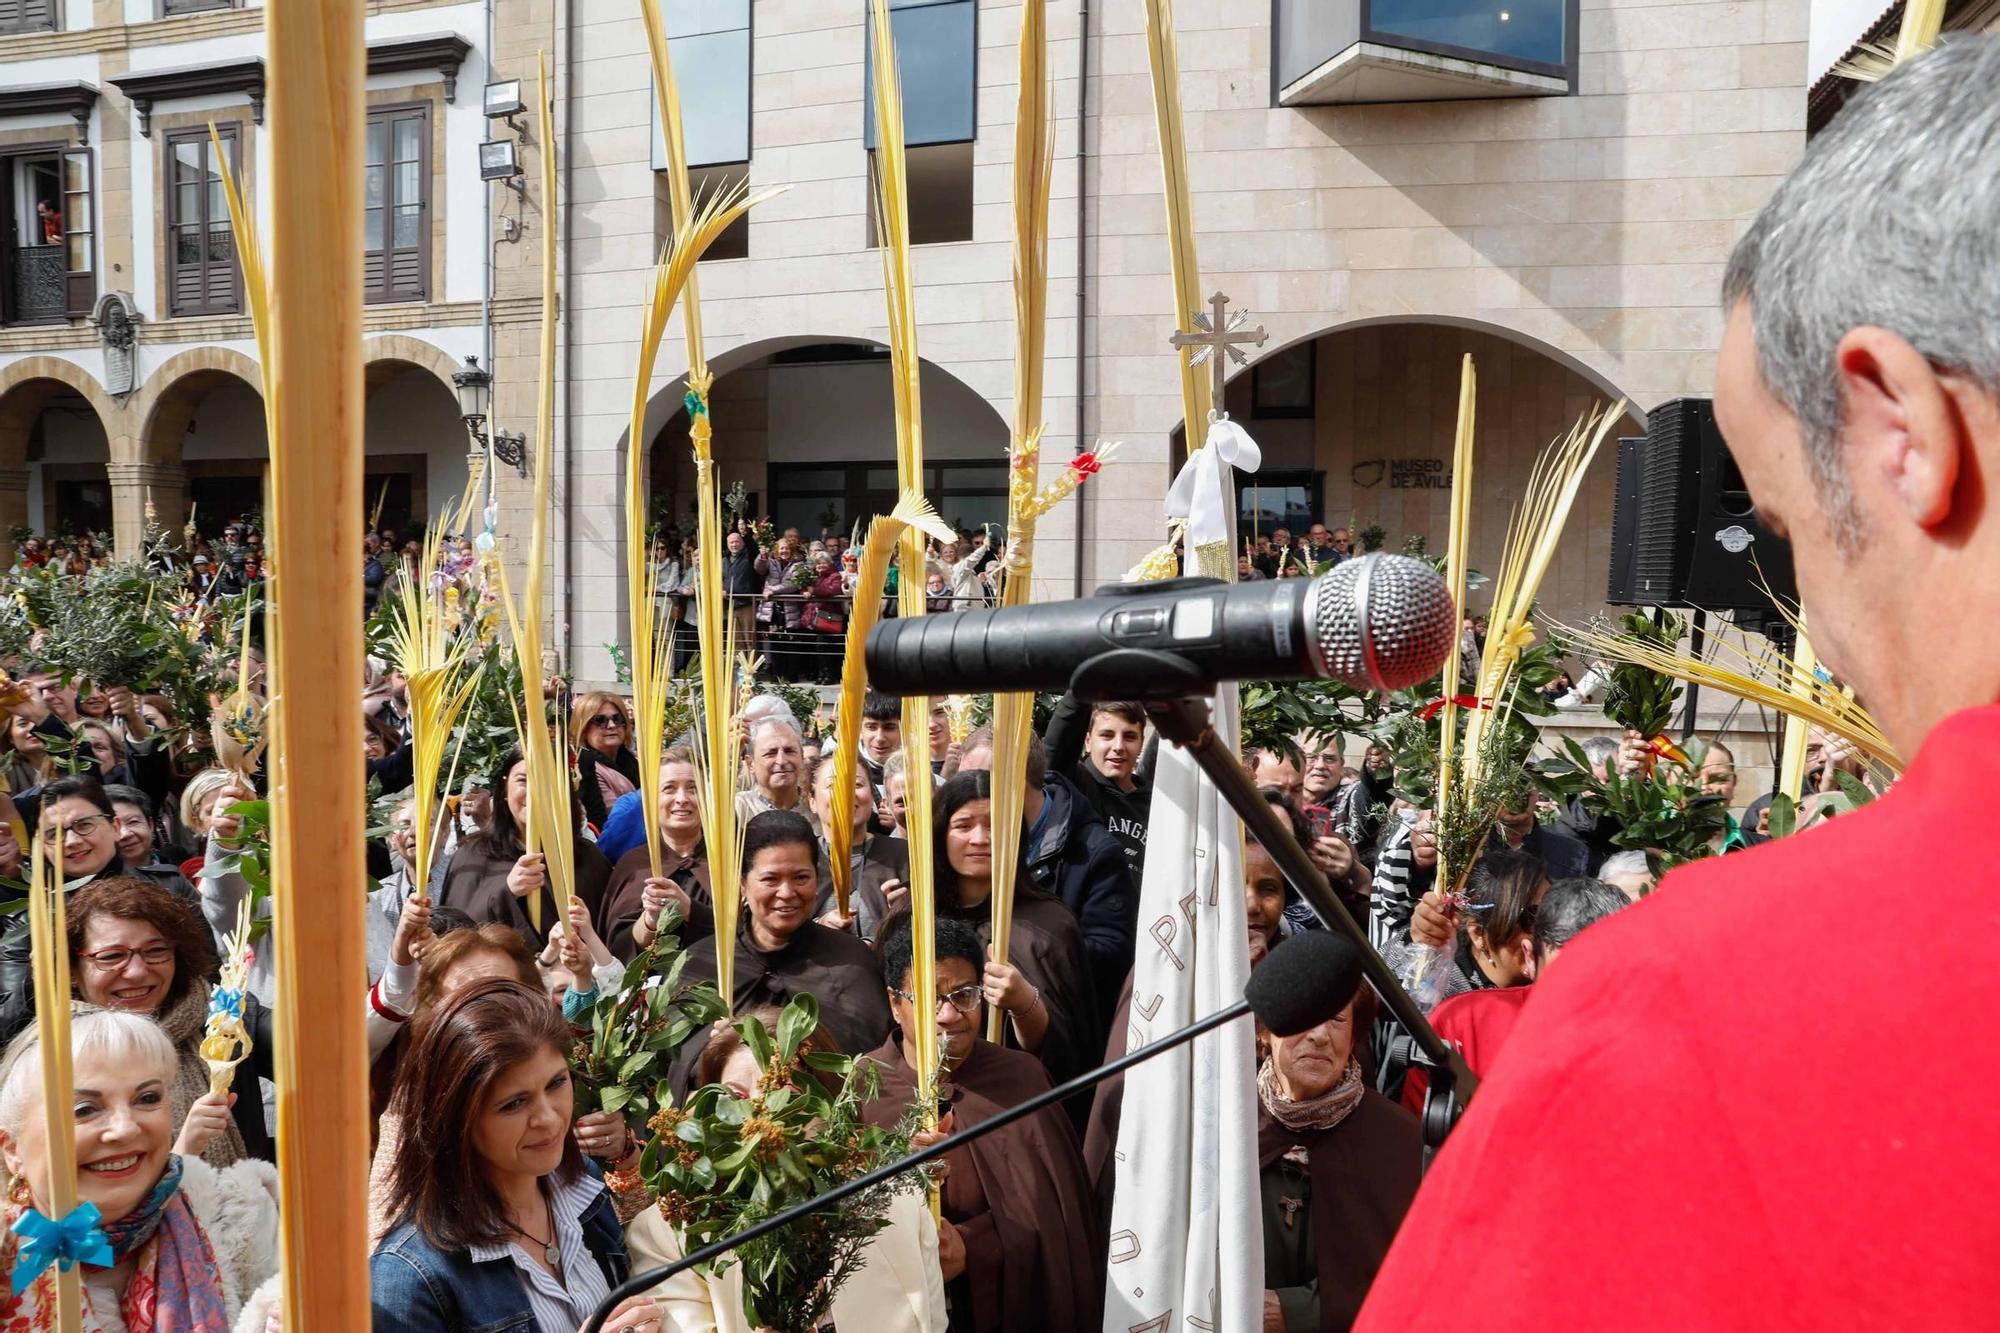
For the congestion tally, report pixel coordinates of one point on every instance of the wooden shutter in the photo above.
(398, 205)
(27, 15)
(202, 273)
(79, 232)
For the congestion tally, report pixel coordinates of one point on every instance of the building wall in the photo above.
(1592, 228)
(178, 360)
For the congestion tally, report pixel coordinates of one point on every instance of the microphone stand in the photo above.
(639, 1282)
(1174, 693)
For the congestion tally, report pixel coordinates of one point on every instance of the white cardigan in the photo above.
(898, 1287)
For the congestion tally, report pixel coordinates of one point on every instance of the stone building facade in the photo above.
(1558, 201)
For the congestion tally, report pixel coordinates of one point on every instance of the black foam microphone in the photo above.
(1379, 622)
(1306, 980)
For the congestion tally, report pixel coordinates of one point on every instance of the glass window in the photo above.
(1280, 499)
(937, 59)
(709, 44)
(1516, 30)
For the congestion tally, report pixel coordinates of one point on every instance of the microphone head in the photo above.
(1380, 622)
(1306, 980)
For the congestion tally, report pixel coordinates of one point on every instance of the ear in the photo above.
(10, 1153)
(1901, 425)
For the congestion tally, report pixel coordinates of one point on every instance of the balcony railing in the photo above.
(38, 283)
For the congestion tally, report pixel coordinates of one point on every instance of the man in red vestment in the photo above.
(1762, 1098)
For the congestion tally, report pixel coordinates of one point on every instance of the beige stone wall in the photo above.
(1594, 226)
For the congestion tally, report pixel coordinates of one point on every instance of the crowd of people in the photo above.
(493, 1202)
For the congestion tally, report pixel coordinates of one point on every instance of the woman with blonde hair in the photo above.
(190, 1242)
(600, 729)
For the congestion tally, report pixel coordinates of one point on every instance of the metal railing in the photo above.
(793, 650)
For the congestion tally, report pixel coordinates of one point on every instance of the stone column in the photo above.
(132, 485)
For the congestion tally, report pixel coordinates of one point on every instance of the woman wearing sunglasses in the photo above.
(600, 728)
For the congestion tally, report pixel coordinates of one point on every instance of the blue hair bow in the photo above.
(77, 1239)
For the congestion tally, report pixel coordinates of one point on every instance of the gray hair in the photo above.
(1625, 863)
(129, 1040)
(770, 720)
(1572, 904)
(1891, 219)
(1599, 749)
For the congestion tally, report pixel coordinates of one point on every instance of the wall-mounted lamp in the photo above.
(475, 400)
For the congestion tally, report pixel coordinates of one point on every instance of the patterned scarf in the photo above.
(1321, 1112)
(175, 1286)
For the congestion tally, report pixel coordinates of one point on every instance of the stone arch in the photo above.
(415, 442)
(385, 355)
(1373, 445)
(27, 387)
(166, 405)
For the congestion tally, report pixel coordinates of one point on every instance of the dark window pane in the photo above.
(221, 245)
(371, 229)
(713, 72)
(1511, 29)
(187, 246)
(408, 223)
(374, 182)
(934, 53)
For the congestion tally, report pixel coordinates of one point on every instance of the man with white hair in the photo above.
(1628, 872)
(777, 761)
(1699, 1123)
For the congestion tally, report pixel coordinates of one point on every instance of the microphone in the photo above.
(1379, 622)
(1304, 981)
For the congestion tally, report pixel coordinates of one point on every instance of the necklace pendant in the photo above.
(553, 1254)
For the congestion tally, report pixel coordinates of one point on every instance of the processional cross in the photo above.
(1219, 338)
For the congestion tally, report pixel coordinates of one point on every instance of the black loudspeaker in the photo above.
(1695, 540)
(1623, 587)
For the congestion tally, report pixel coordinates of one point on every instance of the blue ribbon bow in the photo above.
(226, 1001)
(696, 405)
(77, 1239)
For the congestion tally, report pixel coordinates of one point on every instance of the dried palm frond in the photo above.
(1922, 20)
(442, 676)
(652, 635)
(1458, 554)
(1163, 57)
(49, 949)
(1532, 537)
(1784, 684)
(892, 206)
(550, 825)
(872, 573)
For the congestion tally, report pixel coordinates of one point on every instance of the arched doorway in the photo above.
(807, 428)
(204, 413)
(415, 441)
(1356, 426)
(54, 451)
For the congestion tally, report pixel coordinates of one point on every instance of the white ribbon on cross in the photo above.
(1200, 494)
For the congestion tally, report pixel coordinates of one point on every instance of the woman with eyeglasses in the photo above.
(600, 730)
(79, 808)
(190, 1243)
(138, 949)
(492, 874)
(1019, 1246)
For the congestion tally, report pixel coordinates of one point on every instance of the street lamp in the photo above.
(475, 400)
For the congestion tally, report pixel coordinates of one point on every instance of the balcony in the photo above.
(1328, 52)
(37, 279)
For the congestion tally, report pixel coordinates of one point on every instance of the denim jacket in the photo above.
(418, 1288)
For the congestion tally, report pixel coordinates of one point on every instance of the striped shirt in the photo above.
(559, 1307)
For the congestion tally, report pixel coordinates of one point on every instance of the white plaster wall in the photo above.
(228, 423)
(414, 414)
(89, 359)
(847, 413)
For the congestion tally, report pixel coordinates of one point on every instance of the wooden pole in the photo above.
(312, 379)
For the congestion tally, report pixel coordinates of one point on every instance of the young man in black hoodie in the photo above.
(1073, 857)
(1103, 749)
